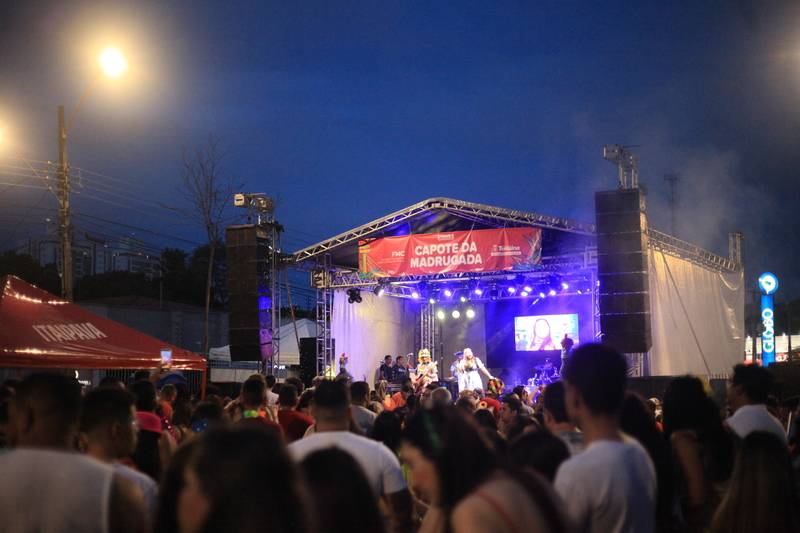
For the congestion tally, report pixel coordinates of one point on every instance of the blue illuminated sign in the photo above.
(768, 283)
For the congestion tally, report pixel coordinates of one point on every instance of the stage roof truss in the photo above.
(575, 266)
(478, 212)
(685, 250)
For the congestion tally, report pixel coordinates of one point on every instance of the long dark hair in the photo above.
(762, 495)
(387, 429)
(342, 499)
(172, 483)
(686, 406)
(250, 481)
(147, 455)
(638, 421)
(464, 460)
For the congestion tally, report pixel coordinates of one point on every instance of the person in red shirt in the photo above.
(398, 399)
(293, 422)
(166, 397)
(253, 400)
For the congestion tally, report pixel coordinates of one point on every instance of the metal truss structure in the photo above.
(324, 307)
(468, 210)
(427, 326)
(577, 268)
(274, 247)
(402, 286)
(693, 253)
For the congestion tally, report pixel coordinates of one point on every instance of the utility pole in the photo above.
(672, 179)
(64, 227)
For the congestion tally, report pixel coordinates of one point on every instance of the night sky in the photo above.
(345, 111)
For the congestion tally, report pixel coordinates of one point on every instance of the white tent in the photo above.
(289, 350)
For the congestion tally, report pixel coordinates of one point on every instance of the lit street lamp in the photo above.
(113, 64)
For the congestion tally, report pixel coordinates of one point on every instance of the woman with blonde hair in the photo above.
(469, 366)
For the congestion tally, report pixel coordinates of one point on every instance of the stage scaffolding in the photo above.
(578, 266)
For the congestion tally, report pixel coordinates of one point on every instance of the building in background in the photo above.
(94, 254)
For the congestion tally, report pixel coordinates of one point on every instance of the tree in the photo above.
(26, 267)
(208, 192)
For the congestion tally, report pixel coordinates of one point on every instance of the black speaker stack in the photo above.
(622, 270)
(250, 292)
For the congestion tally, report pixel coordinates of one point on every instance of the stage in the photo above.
(446, 274)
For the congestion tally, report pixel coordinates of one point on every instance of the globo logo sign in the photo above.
(768, 283)
(768, 336)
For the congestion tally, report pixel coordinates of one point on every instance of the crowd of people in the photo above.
(587, 455)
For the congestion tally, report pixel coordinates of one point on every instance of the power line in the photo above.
(173, 237)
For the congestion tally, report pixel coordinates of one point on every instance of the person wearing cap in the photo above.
(456, 370)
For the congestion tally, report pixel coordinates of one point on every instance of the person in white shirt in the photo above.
(44, 485)
(109, 430)
(747, 396)
(610, 487)
(330, 409)
(272, 398)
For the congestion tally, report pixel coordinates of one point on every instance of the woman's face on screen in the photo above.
(541, 329)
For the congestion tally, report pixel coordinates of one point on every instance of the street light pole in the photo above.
(64, 228)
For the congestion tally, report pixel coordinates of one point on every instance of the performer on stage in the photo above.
(427, 372)
(456, 372)
(469, 366)
(566, 349)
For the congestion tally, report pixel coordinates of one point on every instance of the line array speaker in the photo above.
(622, 269)
(250, 293)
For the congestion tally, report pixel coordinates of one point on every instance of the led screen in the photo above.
(544, 332)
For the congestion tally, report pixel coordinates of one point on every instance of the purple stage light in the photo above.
(448, 293)
(552, 292)
(511, 290)
(542, 295)
(565, 285)
(528, 289)
(414, 294)
(478, 291)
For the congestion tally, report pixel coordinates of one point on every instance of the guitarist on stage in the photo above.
(427, 371)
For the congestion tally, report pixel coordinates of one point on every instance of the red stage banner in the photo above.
(486, 250)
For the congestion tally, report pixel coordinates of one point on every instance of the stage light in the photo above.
(456, 313)
(552, 292)
(431, 300)
(353, 296)
(565, 285)
(524, 294)
(579, 291)
(511, 290)
(415, 294)
(463, 299)
(448, 293)
(470, 313)
(379, 290)
(440, 314)
(542, 295)
(528, 289)
(478, 291)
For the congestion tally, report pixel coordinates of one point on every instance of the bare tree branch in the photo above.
(208, 193)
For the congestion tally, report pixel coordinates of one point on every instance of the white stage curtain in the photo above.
(697, 318)
(369, 330)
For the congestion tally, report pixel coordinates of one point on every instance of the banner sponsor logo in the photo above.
(458, 251)
(68, 332)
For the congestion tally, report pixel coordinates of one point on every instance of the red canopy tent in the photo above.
(40, 330)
